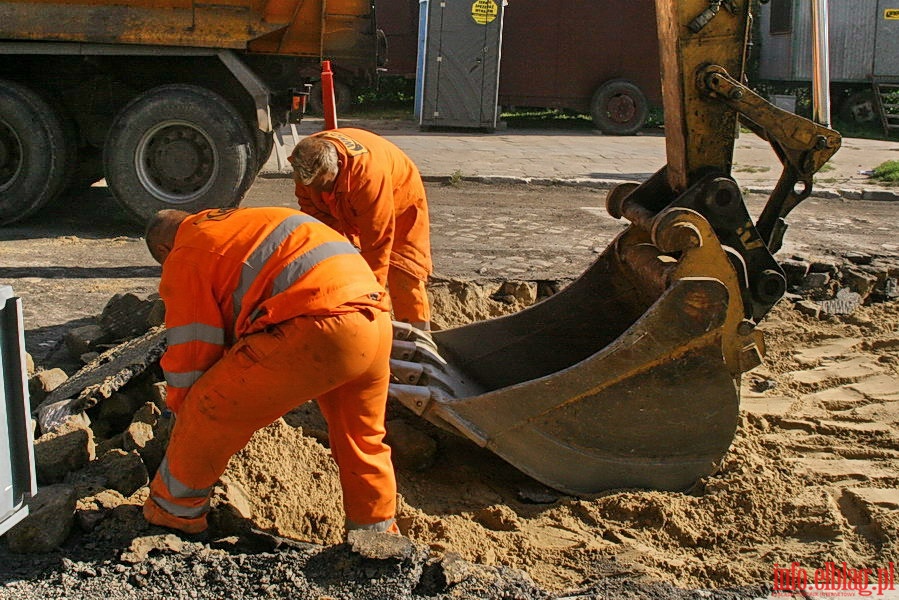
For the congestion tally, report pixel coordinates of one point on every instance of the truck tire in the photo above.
(35, 158)
(343, 97)
(619, 107)
(178, 146)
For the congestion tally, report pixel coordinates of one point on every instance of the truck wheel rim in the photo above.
(10, 156)
(176, 161)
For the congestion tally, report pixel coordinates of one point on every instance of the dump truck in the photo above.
(630, 376)
(173, 102)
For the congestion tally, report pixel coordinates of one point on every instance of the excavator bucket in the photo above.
(619, 380)
(629, 377)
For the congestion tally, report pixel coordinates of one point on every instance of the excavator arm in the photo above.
(630, 376)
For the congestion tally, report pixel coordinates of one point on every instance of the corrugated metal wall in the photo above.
(856, 29)
(886, 53)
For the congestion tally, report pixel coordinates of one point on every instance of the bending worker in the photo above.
(366, 188)
(267, 308)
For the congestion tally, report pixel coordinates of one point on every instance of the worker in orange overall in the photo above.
(267, 308)
(366, 188)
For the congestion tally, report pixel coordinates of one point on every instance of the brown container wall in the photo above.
(556, 53)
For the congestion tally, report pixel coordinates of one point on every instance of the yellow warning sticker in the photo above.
(353, 148)
(484, 11)
(891, 13)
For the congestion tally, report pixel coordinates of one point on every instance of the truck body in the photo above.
(172, 101)
(600, 58)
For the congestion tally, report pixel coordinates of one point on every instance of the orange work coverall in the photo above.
(267, 308)
(379, 201)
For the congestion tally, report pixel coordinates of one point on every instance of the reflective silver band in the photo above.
(195, 332)
(176, 488)
(262, 253)
(182, 379)
(380, 526)
(304, 263)
(182, 511)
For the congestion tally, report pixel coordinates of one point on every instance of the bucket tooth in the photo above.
(423, 374)
(406, 332)
(416, 352)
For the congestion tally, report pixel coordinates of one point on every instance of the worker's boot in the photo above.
(377, 527)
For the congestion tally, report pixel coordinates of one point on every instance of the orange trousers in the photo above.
(342, 360)
(409, 296)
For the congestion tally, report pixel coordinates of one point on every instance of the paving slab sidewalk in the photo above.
(588, 158)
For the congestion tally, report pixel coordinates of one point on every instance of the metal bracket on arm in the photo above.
(699, 23)
(801, 145)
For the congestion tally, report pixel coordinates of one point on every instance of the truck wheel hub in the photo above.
(176, 161)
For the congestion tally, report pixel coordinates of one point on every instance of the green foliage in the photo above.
(556, 118)
(389, 91)
(546, 117)
(656, 118)
(888, 171)
(390, 98)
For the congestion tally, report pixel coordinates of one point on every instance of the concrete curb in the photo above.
(878, 195)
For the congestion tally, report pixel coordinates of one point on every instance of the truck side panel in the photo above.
(335, 29)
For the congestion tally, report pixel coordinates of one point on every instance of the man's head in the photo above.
(161, 231)
(315, 163)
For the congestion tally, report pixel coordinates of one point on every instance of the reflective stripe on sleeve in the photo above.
(195, 332)
(304, 263)
(183, 379)
(261, 254)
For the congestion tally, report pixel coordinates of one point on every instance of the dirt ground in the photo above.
(812, 476)
(795, 487)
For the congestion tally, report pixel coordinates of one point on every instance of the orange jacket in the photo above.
(235, 272)
(378, 201)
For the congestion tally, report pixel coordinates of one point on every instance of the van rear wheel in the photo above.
(619, 107)
(859, 107)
